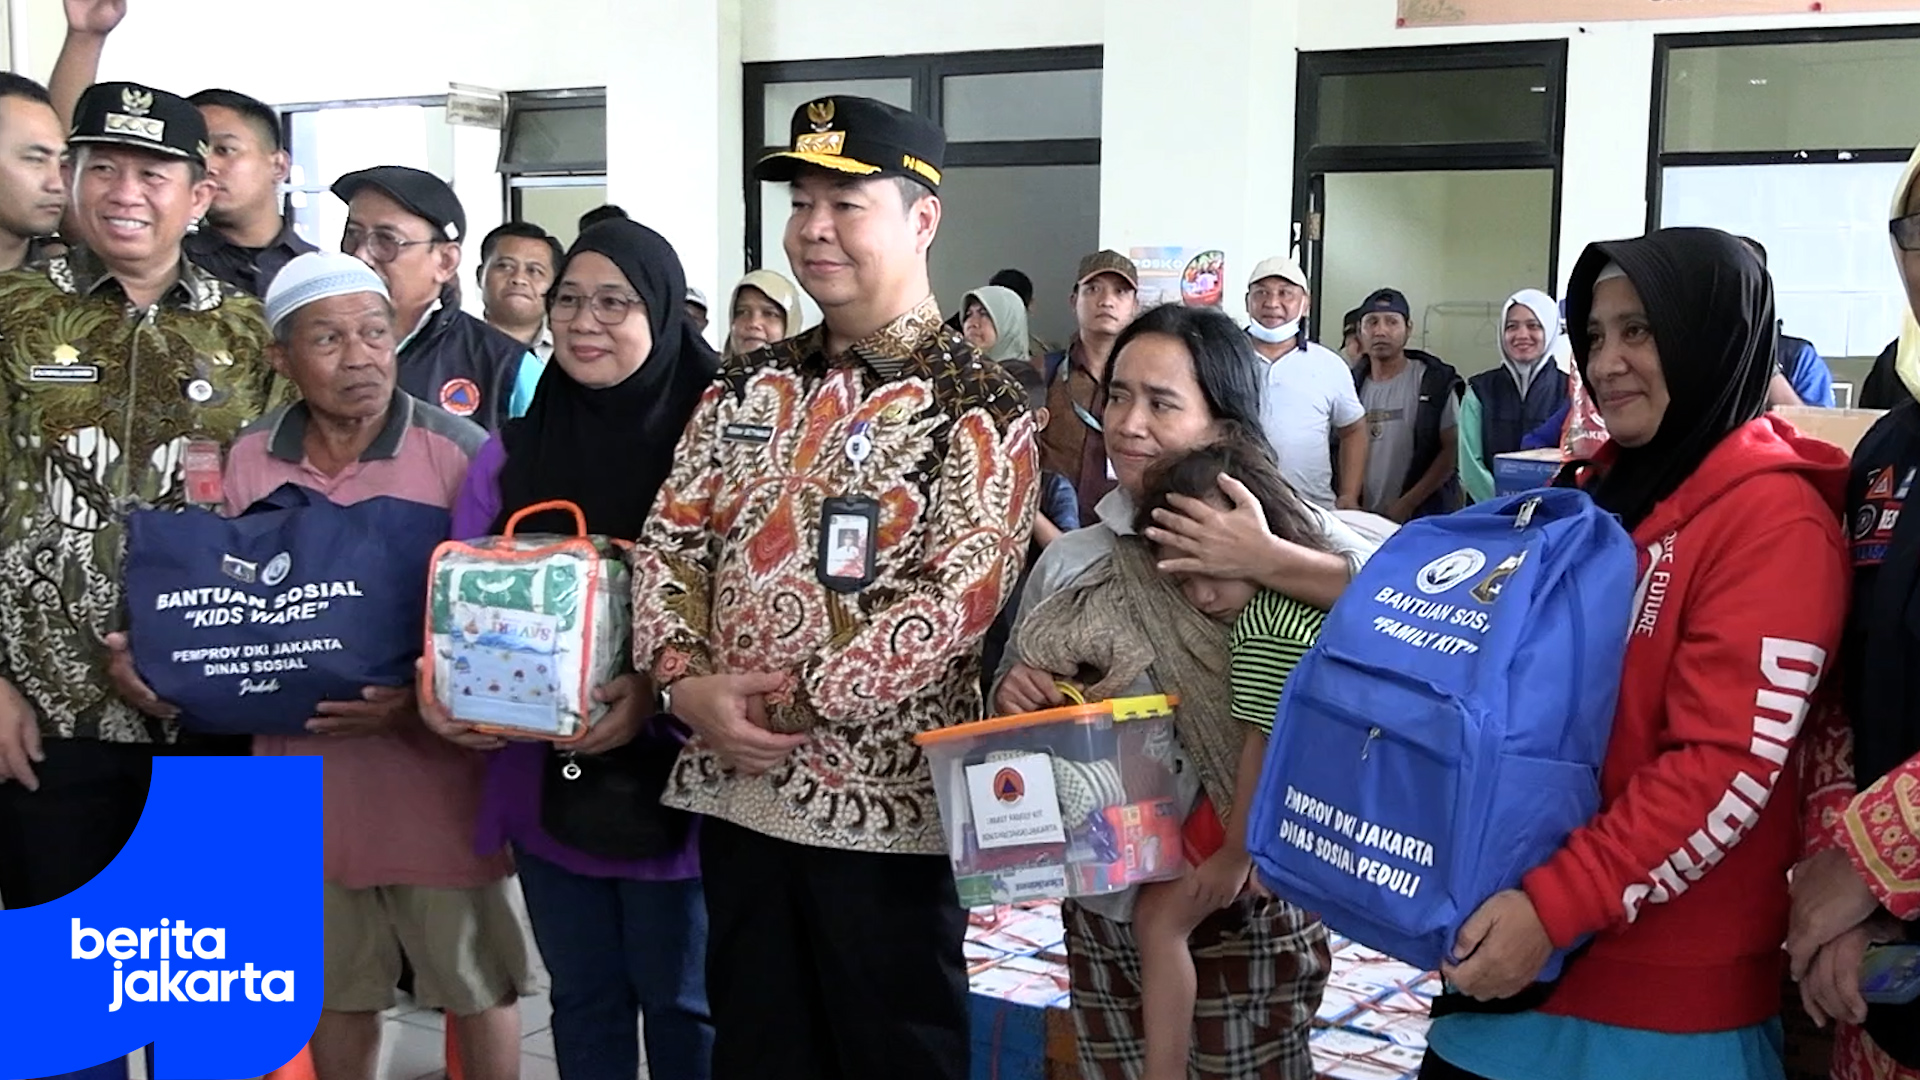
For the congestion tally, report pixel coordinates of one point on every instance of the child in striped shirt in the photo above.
(1270, 633)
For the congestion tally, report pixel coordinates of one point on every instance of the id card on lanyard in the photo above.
(849, 536)
(1064, 374)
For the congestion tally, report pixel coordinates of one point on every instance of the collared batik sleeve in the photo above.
(1880, 833)
(977, 530)
(674, 560)
(1826, 771)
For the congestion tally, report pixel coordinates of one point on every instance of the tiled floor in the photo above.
(412, 1044)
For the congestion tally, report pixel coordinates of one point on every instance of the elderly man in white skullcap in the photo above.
(416, 884)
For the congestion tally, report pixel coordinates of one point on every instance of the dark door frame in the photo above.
(1312, 161)
(928, 72)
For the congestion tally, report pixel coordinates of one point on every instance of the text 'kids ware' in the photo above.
(521, 629)
(1075, 801)
(1446, 733)
(246, 624)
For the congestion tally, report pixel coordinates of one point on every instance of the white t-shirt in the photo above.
(1307, 396)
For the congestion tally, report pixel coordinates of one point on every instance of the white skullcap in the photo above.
(316, 276)
(1612, 271)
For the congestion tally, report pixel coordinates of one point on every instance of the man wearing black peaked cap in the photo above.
(408, 226)
(838, 613)
(134, 370)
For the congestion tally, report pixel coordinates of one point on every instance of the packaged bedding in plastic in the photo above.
(522, 628)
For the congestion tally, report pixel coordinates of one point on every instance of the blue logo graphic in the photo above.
(204, 936)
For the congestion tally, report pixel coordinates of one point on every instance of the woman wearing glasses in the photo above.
(1859, 888)
(611, 879)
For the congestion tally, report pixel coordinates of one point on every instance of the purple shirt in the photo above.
(510, 804)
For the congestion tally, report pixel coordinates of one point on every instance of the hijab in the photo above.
(775, 287)
(1710, 305)
(1907, 359)
(608, 449)
(1009, 317)
(1546, 309)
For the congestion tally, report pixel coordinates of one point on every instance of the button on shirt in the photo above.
(1308, 396)
(249, 270)
(398, 808)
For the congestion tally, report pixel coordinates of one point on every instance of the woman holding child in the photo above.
(1205, 973)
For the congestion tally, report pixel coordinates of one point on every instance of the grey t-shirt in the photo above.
(1392, 407)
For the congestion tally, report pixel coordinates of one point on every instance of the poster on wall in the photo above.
(1195, 277)
(1486, 12)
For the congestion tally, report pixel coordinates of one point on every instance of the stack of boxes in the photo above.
(1372, 1023)
(1017, 969)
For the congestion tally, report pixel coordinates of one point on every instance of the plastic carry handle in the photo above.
(579, 518)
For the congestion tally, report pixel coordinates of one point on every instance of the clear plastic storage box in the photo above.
(1074, 801)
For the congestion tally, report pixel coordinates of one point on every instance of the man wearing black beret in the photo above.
(408, 226)
(876, 479)
(132, 370)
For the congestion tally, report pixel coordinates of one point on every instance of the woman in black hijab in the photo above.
(1679, 884)
(611, 878)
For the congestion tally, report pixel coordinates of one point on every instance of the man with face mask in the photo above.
(1519, 396)
(1308, 399)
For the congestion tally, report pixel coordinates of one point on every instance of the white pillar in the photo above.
(1197, 130)
(674, 134)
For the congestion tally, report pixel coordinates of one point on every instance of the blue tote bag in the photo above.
(248, 623)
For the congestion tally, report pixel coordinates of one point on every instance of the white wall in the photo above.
(833, 29)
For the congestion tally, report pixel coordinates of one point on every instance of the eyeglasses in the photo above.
(609, 308)
(384, 246)
(1906, 232)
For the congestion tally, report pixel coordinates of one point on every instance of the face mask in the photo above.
(1283, 332)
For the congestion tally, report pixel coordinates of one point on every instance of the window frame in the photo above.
(928, 72)
(1659, 159)
(286, 114)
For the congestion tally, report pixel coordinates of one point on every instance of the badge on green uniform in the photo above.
(66, 368)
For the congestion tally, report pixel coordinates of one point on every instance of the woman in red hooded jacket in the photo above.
(1681, 879)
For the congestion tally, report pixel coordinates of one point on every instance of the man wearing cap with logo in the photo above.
(847, 513)
(408, 225)
(129, 370)
(1308, 399)
(1412, 402)
(1105, 299)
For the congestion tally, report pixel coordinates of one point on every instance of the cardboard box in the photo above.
(1841, 427)
(1524, 470)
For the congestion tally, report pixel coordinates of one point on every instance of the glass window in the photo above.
(326, 144)
(1427, 108)
(1036, 218)
(1022, 105)
(557, 207)
(544, 139)
(1831, 95)
(782, 98)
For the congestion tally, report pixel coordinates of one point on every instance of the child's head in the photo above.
(1035, 385)
(1196, 474)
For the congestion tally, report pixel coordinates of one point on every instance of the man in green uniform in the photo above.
(124, 373)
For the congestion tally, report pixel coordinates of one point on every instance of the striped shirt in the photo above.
(1268, 640)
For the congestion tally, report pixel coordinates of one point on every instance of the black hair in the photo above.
(20, 86)
(1246, 457)
(523, 230)
(1021, 284)
(1224, 363)
(598, 214)
(256, 112)
(1031, 381)
(1350, 325)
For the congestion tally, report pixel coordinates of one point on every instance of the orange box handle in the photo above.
(561, 505)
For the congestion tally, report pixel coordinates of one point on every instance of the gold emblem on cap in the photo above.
(65, 355)
(820, 114)
(136, 102)
(821, 142)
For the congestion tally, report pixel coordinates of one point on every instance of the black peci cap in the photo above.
(860, 137)
(421, 193)
(128, 114)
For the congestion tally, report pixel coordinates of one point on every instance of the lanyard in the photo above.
(1062, 375)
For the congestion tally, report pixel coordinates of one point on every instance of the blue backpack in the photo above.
(247, 623)
(1445, 734)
